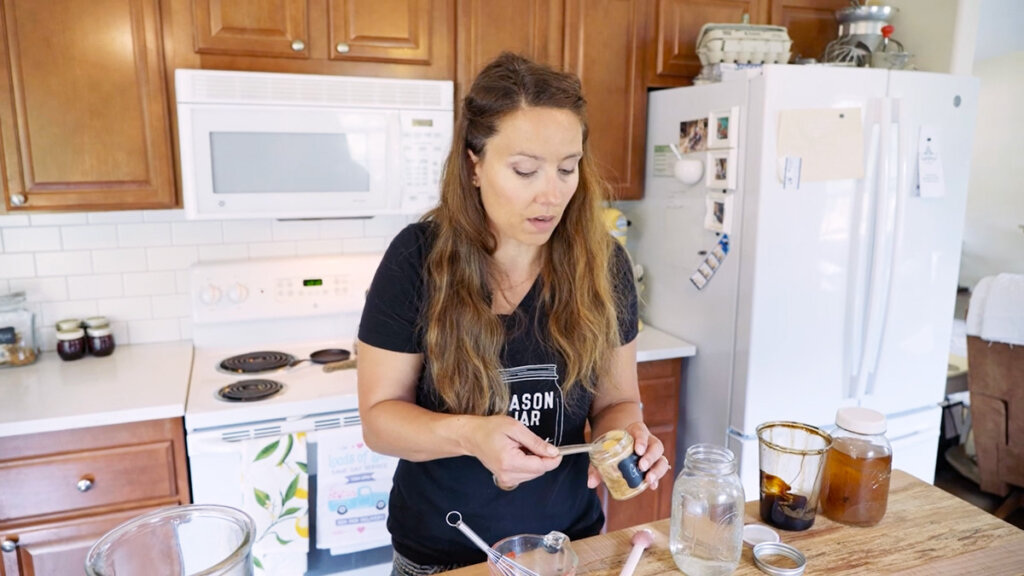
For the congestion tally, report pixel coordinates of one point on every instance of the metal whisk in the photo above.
(507, 566)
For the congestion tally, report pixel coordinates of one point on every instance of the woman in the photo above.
(497, 327)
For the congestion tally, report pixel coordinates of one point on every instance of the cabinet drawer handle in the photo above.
(18, 200)
(85, 484)
(342, 48)
(8, 545)
(298, 45)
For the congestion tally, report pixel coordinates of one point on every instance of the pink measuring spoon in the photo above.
(642, 539)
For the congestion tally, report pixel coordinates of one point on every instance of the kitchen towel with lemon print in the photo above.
(275, 482)
(353, 488)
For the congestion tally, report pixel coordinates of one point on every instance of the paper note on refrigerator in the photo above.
(828, 141)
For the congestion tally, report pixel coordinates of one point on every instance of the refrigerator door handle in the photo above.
(888, 232)
(861, 278)
(898, 228)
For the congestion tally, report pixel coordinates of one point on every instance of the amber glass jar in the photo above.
(855, 486)
(613, 456)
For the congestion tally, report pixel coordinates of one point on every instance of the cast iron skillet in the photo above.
(325, 356)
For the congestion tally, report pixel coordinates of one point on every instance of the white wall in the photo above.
(994, 228)
(133, 266)
(939, 33)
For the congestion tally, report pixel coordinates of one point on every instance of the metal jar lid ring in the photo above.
(765, 550)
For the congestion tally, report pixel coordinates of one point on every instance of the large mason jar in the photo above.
(706, 533)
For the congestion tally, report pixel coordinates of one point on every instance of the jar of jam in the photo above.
(71, 344)
(855, 483)
(612, 454)
(101, 341)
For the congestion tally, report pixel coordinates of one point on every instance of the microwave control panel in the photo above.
(426, 140)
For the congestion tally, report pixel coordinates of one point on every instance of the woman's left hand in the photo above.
(652, 457)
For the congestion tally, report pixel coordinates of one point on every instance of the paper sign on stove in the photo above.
(353, 487)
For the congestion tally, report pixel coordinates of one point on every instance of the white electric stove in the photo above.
(256, 324)
(274, 312)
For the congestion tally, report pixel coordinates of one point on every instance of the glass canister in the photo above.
(855, 487)
(17, 331)
(612, 454)
(706, 530)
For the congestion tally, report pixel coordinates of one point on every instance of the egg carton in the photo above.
(743, 43)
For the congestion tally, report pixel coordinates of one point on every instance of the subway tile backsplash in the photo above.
(132, 266)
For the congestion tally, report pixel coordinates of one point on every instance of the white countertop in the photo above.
(135, 383)
(147, 382)
(653, 344)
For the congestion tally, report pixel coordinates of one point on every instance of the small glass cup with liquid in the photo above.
(791, 457)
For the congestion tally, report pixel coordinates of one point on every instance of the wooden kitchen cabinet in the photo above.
(675, 26)
(390, 38)
(811, 24)
(63, 490)
(605, 45)
(84, 119)
(600, 40)
(533, 28)
(659, 391)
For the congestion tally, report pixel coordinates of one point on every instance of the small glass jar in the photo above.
(68, 324)
(612, 454)
(96, 322)
(17, 331)
(101, 341)
(706, 527)
(71, 344)
(855, 483)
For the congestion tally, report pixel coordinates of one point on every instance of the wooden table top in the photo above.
(926, 531)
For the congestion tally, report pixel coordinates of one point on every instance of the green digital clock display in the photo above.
(313, 282)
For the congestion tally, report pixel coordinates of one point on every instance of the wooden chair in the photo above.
(996, 383)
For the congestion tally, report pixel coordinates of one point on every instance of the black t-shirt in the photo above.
(424, 492)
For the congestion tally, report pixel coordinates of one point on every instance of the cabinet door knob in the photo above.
(342, 48)
(8, 545)
(298, 45)
(85, 484)
(18, 200)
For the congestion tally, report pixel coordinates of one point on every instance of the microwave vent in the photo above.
(311, 90)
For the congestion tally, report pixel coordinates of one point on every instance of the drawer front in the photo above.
(91, 479)
(659, 390)
(660, 399)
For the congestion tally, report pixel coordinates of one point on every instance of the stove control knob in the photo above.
(210, 295)
(238, 293)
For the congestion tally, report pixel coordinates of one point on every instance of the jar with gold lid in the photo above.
(17, 331)
(613, 456)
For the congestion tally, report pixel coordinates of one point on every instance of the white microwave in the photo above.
(284, 146)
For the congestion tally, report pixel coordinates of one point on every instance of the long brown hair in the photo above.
(463, 336)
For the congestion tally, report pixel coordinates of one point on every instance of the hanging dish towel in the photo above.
(1003, 318)
(275, 481)
(976, 306)
(353, 487)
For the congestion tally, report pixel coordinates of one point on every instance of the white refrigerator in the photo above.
(840, 193)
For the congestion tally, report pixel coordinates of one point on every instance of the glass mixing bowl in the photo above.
(548, 555)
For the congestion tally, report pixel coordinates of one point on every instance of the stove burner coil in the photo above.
(253, 362)
(250, 390)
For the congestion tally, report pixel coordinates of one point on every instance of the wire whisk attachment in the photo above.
(507, 566)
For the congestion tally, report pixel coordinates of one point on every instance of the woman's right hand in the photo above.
(509, 450)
